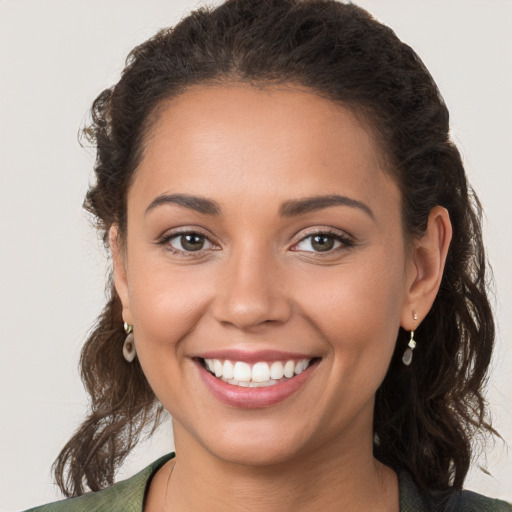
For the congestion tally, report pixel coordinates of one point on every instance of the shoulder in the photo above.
(125, 496)
(413, 500)
(472, 502)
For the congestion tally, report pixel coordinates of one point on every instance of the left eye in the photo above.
(320, 242)
(189, 242)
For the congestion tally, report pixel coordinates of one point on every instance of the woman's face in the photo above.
(261, 229)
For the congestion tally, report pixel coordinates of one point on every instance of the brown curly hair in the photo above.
(426, 415)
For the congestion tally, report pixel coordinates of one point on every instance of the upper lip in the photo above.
(253, 356)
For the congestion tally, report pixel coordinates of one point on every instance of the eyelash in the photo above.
(345, 241)
(166, 239)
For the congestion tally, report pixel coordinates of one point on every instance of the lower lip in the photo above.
(254, 398)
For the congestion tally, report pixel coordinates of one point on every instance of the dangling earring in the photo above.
(129, 351)
(407, 357)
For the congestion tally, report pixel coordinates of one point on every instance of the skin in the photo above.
(258, 283)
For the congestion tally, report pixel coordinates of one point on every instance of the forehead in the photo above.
(284, 141)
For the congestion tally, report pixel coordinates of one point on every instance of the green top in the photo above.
(128, 496)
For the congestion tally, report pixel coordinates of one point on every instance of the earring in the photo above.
(407, 357)
(129, 351)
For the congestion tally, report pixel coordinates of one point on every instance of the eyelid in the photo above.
(343, 238)
(164, 240)
(179, 236)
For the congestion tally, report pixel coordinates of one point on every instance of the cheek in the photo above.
(357, 310)
(166, 304)
(166, 307)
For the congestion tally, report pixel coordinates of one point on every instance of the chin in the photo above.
(271, 446)
(254, 454)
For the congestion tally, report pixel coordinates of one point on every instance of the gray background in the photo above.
(55, 57)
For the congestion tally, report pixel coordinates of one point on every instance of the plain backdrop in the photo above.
(55, 57)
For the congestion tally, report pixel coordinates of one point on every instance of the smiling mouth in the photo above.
(256, 375)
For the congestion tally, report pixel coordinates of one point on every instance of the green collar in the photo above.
(128, 496)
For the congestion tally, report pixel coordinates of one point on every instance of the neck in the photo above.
(333, 477)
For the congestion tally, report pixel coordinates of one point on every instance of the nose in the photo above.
(251, 291)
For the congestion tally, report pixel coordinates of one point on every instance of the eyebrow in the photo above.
(199, 204)
(290, 208)
(315, 203)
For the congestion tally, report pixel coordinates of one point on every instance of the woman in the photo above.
(298, 273)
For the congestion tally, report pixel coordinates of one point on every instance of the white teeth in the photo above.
(227, 371)
(260, 374)
(242, 372)
(217, 368)
(276, 370)
(251, 384)
(289, 369)
(301, 366)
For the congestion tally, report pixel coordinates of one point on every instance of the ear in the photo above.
(120, 272)
(426, 269)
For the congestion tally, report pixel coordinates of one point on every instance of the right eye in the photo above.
(187, 242)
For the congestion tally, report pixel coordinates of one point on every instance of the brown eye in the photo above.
(189, 242)
(192, 242)
(322, 243)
